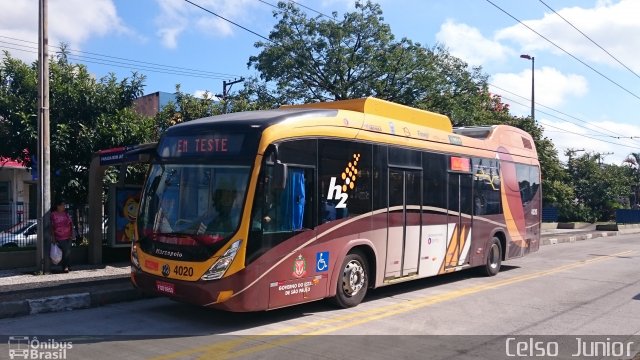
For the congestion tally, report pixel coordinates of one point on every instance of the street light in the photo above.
(533, 93)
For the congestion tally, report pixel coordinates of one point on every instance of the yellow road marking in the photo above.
(361, 317)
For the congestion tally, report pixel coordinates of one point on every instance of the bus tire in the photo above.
(353, 281)
(493, 258)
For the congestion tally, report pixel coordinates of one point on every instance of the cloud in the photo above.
(592, 137)
(70, 21)
(614, 26)
(551, 86)
(348, 4)
(469, 44)
(200, 94)
(175, 17)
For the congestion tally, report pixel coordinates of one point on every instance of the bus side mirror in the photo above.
(280, 175)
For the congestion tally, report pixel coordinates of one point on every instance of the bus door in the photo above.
(460, 201)
(404, 222)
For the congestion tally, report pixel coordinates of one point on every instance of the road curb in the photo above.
(573, 238)
(59, 303)
(67, 302)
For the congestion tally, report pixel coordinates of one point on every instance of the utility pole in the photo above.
(601, 155)
(571, 152)
(44, 182)
(226, 87)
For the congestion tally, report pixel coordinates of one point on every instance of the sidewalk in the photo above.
(22, 293)
(558, 236)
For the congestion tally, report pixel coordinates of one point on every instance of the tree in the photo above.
(86, 115)
(633, 161)
(600, 189)
(317, 59)
(187, 107)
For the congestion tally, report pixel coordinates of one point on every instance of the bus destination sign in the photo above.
(200, 145)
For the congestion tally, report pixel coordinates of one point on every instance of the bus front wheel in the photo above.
(493, 258)
(353, 281)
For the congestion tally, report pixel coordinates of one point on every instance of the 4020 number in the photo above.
(183, 270)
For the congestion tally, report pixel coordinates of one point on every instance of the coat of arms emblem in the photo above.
(299, 267)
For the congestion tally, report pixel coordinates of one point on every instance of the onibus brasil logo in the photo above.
(25, 347)
(339, 191)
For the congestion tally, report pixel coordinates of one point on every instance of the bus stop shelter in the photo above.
(103, 159)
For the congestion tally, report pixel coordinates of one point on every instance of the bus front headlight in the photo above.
(220, 267)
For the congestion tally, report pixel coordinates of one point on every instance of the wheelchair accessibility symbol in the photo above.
(322, 261)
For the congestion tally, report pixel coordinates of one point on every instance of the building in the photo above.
(151, 104)
(18, 193)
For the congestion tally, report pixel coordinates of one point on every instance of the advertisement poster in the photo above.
(127, 201)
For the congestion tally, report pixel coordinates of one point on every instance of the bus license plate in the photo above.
(165, 287)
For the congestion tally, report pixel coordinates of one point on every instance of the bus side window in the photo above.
(486, 192)
(279, 213)
(435, 180)
(344, 179)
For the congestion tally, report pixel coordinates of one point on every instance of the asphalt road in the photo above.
(589, 289)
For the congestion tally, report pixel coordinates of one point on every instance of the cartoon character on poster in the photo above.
(127, 203)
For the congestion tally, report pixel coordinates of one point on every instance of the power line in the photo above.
(299, 4)
(269, 4)
(229, 21)
(634, 146)
(81, 59)
(565, 114)
(590, 39)
(569, 131)
(126, 59)
(565, 51)
(308, 8)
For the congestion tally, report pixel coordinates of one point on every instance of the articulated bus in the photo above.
(265, 209)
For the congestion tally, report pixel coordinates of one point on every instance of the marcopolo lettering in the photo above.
(175, 254)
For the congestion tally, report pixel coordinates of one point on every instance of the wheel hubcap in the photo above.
(494, 256)
(352, 278)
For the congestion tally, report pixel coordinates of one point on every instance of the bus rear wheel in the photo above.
(493, 258)
(353, 281)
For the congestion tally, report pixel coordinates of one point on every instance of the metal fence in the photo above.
(23, 233)
(627, 216)
(549, 214)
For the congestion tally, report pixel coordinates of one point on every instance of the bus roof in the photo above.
(373, 106)
(367, 119)
(260, 119)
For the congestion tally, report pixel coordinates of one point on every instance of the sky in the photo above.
(174, 42)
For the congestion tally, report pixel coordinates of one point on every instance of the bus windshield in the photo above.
(200, 204)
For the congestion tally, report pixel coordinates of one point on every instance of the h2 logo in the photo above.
(335, 193)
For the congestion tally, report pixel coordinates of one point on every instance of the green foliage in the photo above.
(318, 59)
(633, 162)
(86, 115)
(600, 189)
(187, 107)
